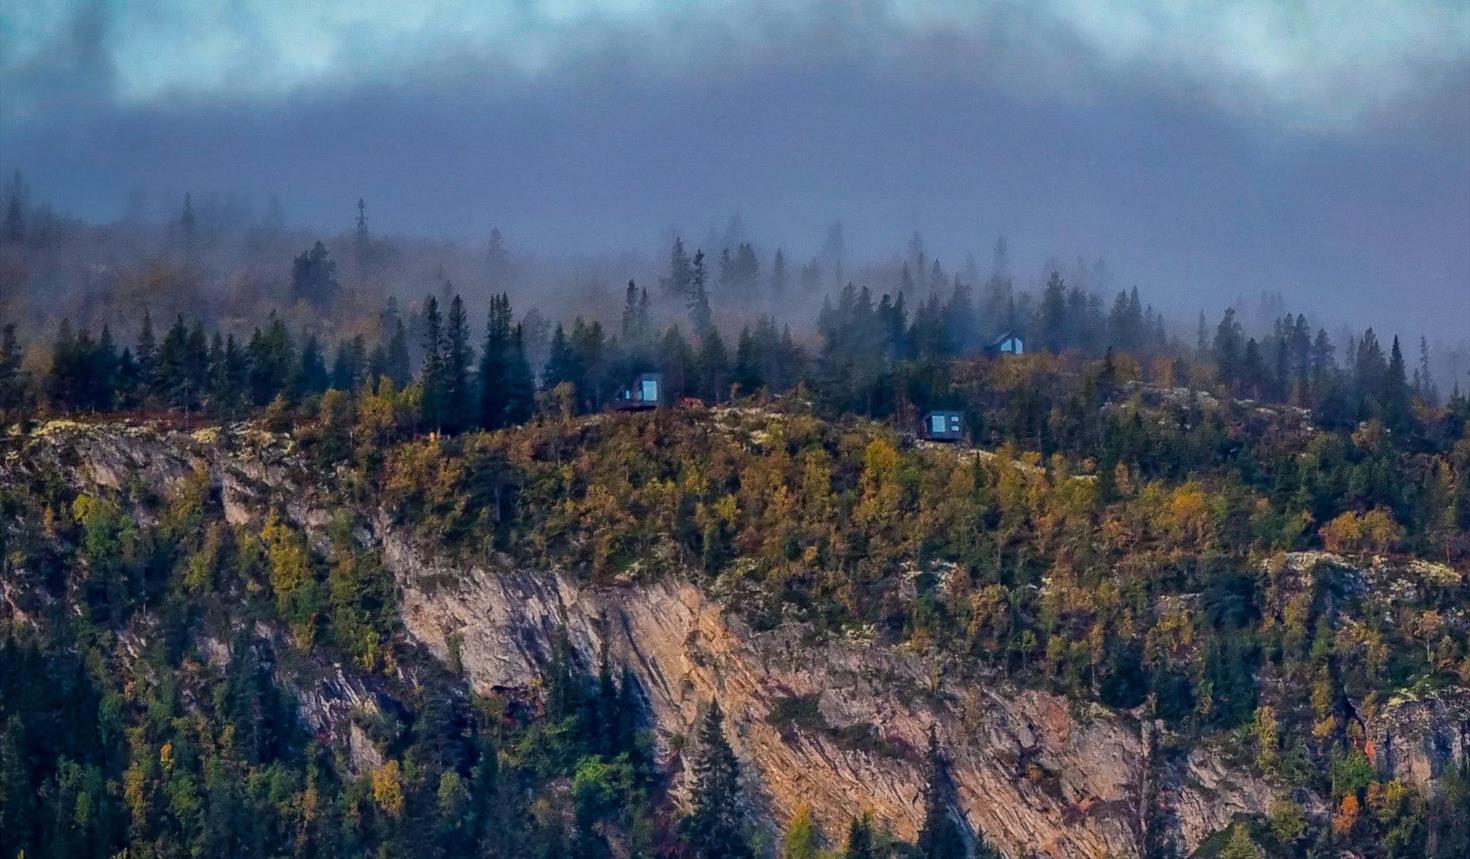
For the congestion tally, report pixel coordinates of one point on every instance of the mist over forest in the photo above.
(230, 263)
(814, 429)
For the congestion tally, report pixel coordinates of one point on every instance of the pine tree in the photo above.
(681, 273)
(748, 375)
(146, 353)
(859, 842)
(1052, 316)
(714, 827)
(1227, 347)
(1424, 385)
(699, 309)
(12, 385)
(561, 363)
(714, 366)
(361, 239)
(458, 355)
(495, 361)
(497, 261)
(311, 375)
(1393, 396)
(939, 835)
(432, 375)
(272, 361)
(397, 364)
(520, 384)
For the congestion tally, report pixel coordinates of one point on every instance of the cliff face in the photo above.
(838, 725)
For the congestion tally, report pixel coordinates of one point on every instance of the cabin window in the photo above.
(936, 423)
(648, 390)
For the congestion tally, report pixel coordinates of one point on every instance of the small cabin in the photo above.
(646, 392)
(1009, 343)
(943, 425)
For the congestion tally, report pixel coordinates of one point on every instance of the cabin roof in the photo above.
(1004, 336)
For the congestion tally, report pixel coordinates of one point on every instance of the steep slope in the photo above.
(835, 723)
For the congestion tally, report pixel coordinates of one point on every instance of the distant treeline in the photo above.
(876, 356)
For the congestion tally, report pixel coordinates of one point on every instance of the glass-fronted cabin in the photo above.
(1009, 343)
(646, 392)
(943, 425)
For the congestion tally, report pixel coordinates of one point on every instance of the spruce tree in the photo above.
(311, 376)
(12, 387)
(561, 363)
(495, 361)
(714, 366)
(699, 309)
(713, 828)
(458, 355)
(397, 365)
(859, 843)
(432, 377)
(520, 385)
(146, 353)
(939, 835)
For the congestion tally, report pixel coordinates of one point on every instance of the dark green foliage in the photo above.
(714, 827)
(940, 835)
(314, 276)
(434, 372)
(859, 841)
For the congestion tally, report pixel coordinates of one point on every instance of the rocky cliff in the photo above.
(837, 724)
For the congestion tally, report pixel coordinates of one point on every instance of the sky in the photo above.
(1206, 150)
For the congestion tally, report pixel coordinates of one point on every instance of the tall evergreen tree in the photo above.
(311, 375)
(146, 353)
(12, 385)
(495, 360)
(940, 836)
(859, 841)
(1051, 320)
(433, 376)
(714, 827)
(458, 356)
(700, 314)
(1394, 400)
(1424, 385)
(1227, 347)
(272, 361)
(397, 365)
(561, 363)
(714, 366)
(520, 384)
(681, 273)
